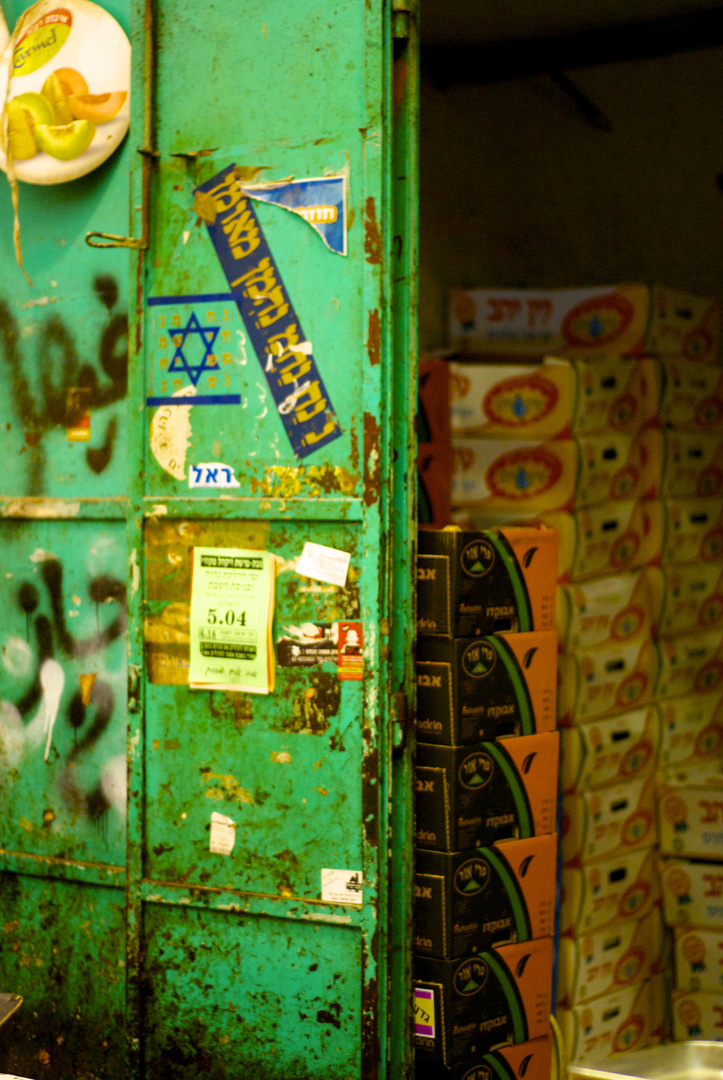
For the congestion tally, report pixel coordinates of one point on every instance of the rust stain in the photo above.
(289, 481)
(372, 239)
(399, 80)
(374, 337)
(371, 459)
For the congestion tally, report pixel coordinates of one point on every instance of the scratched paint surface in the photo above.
(291, 89)
(62, 949)
(271, 997)
(63, 689)
(285, 767)
(67, 330)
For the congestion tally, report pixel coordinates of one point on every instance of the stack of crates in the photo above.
(486, 799)
(619, 450)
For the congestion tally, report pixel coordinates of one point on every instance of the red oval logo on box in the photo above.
(520, 401)
(523, 474)
(598, 321)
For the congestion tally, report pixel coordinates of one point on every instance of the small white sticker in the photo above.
(223, 834)
(212, 474)
(342, 886)
(323, 563)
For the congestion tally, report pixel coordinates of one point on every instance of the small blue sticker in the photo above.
(321, 202)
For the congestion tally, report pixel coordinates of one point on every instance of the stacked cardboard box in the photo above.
(625, 463)
(486, 798)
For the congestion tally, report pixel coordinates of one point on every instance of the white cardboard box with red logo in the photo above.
(628, 1019)
(604, 824)
(601, 321)
(690, 812)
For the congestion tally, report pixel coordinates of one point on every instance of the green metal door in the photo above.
(268, 405)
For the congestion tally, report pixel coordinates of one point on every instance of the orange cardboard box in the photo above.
(471, 689)
(433, 413)
(612, 891)
(604, 681)
(501, 997)
(690, 812)
(690, 664)
(532, 1059)
(693, 531)
(609, 610)
(691, 730)
(604, 962)
(472, 796)
(612, 751)
(434, 483)
(482, 582)
(698, 959)
(470, 901)
(604, 824)
(629, 1019)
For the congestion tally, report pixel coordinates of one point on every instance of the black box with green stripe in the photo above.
(500, 997)
(471, 796)
(472, 689)
(469, 901)
(471, 583)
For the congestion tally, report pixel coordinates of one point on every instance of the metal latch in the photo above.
(400, 720)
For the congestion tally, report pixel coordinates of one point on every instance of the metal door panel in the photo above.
(324, 288)
(286, 767)
(62, 947)
(63, 747)
(236, 996)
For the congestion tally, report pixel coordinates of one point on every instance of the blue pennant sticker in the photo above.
(272, 324)
(321, 202)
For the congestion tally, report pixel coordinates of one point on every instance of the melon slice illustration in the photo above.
(98, 108)
(65, 141)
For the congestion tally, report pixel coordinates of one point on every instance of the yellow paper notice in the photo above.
(232, 610)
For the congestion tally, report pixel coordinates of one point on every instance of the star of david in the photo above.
(206, 337)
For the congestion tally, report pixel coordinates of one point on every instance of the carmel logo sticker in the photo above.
(521, 401)
(598, 321)
(478, 659)
(477, 558)
(523, 474)
(472, 876)
(42, 41)
(476, 771)
(470, 976)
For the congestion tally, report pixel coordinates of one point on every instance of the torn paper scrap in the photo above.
(223, 834)
(323, 563)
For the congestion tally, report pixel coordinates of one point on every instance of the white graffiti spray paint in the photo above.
(52, 681)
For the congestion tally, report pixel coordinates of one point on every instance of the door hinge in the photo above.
(134, 688)
(400, 720)
(401, 18)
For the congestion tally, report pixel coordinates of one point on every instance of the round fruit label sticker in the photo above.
(65, 81)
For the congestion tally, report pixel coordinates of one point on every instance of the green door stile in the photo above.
(139, 951)
(369, 1024)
